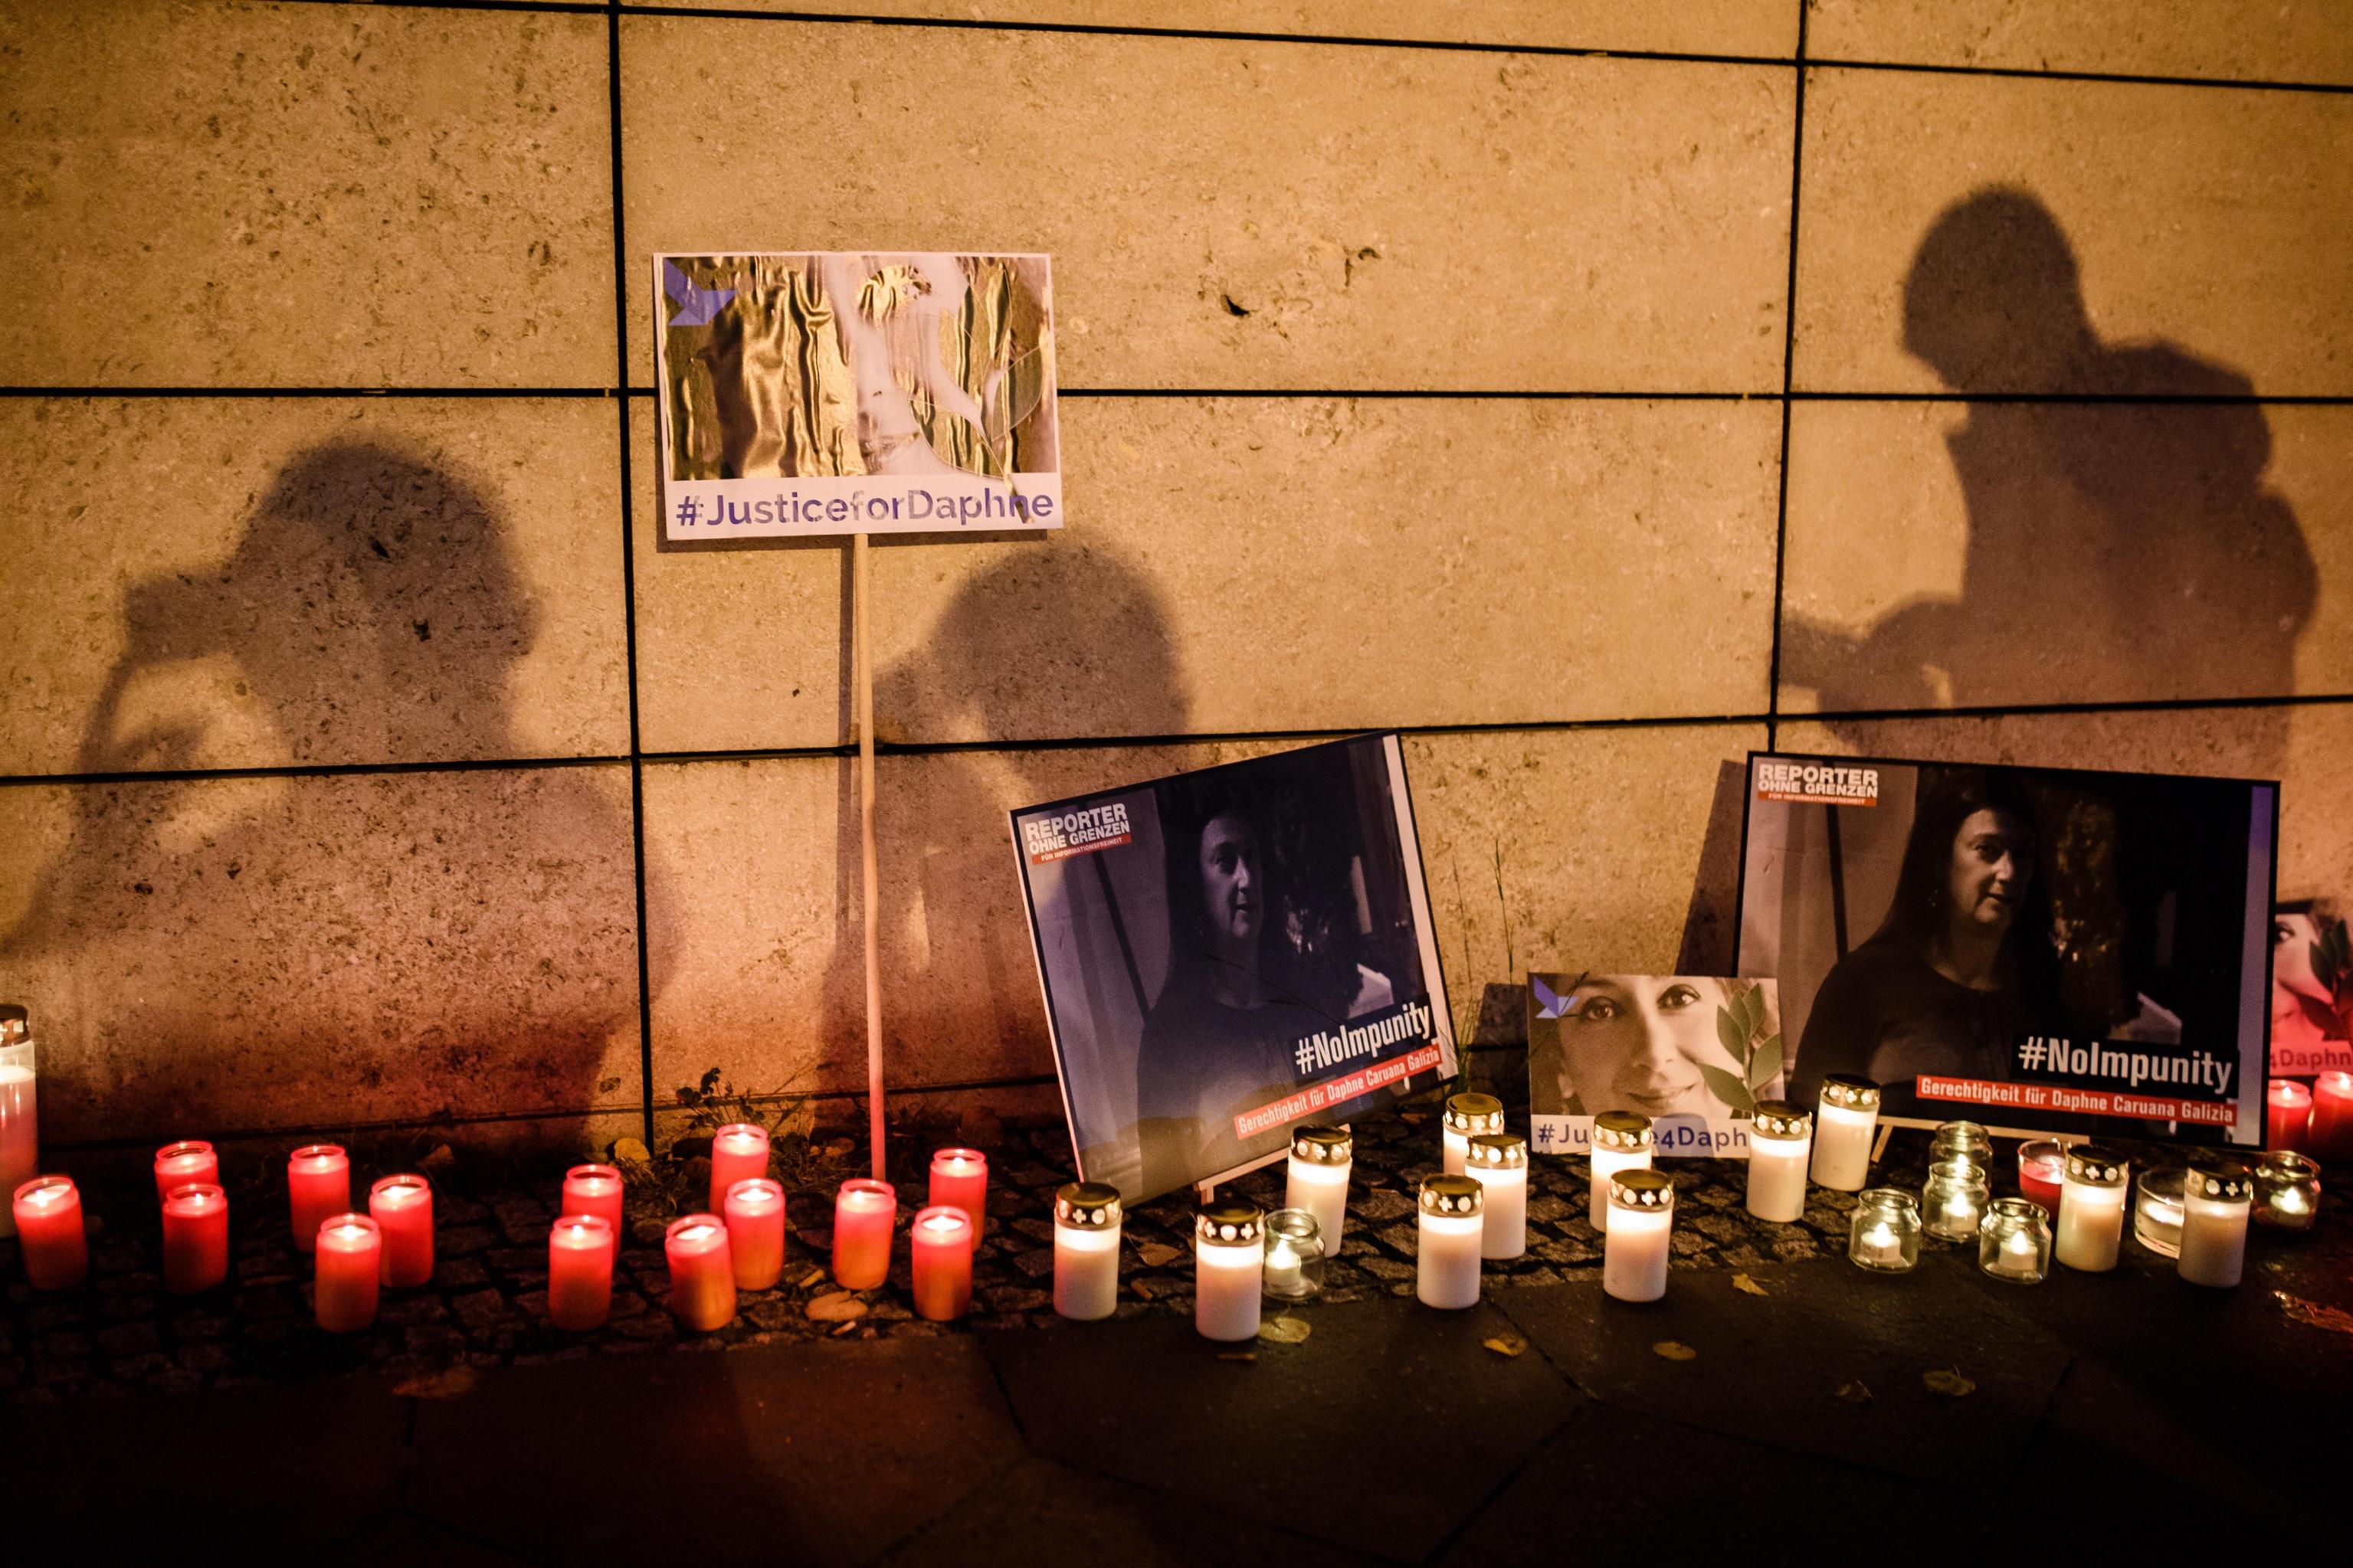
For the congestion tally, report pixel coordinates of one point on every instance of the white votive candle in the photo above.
(1086, 1250)
(1780, 1142)
(20, 1127)
(1499, 1163)
(2215, 1203)
(1843, 1133)
(1446, 1266)
(1623, 1140)
(1229, 1264)
(1634, 1250)
(2092, 1208)
(1466, 1117)
(1317, 1179)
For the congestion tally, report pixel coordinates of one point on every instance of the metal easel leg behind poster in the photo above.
(863, 659)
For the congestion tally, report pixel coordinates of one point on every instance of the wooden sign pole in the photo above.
(860, 615)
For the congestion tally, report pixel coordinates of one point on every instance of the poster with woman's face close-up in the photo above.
(1694, 1053)
(2312, 989)
(1230, 952)
(2035, 949)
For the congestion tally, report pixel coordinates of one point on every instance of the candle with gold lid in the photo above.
(1228, 1263)
(1446, 1262)
(1623, 1140)
(2215, 1198)
(1467, 1116)
(1780, 1140)
(1847, 1119)
(1498, 1162)
(2288, 1191)
(1316, 1178)
(1087, 1217)
(2092, 1208)
(1642, 1218)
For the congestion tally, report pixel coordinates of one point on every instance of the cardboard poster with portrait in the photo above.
(1228, 952)
(2038, 949)
(2312, 989)
(1694, 1053)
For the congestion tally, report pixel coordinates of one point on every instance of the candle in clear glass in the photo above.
(1623, 1140)
(755, 1232)
(1446, 1261)
(1316, 1179)
(595, 1189)
(49, 1235)
(2214, 1201)
(864, 1210)
(402, 1207)
(2014, 1241)
(1229, 1261)
(191, 1162)
(960, 1176)
(1964, 1141)
(196, 1237)
(2041, 1167)
(1953, 1199)
(1843, 1127)
(2287, 1115)
(346, 1273)
(1634, 1252)
(318, 1186)
(941, 1242)
(2157, 1210)
(1294, 1256)
(20, 1122)
(580, 1248)
(1885, 1235)
(1466, 1116)
(2092, 1208)
(739, 1152)
(701, 1275)
(1086, 1250)
(1498, 1162)
(1780, 1140)
(2328, 1135)
(2288, 1191)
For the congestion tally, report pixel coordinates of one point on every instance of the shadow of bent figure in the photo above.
(2117, 552)
(254, 952)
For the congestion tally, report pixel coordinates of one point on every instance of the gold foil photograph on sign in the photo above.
(839, 392)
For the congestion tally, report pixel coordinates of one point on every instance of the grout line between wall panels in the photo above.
(1244, 394)
(1788, 380)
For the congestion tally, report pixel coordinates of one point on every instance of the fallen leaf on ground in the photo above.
(1238, 1355)
(1948, 1382)
(629, 1148)
(1155, 1254)
(1747, 1287)
(1506, 1344)
(1284, 1331)
(836, 1306)
(2335, 1319)
(1140, 1287)
(1855, 1392)
(449, 1382)
(839, 1147)
(1675, 1351)
(814, 1277)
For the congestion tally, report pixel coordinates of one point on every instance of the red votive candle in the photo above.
(2287, 1115)
(350, 1258)
(960, 1177)
(739, 1152)
(48, 1232)
(318, 1188)
(701, 1275)
(2042, 1167)
(2329, 1135)
(863, 1212)
(942, 1243)
(580, 1272)
(593, 1189)
(402, 1207)
(755, 1232)
(196, 1237)
(191, 1162)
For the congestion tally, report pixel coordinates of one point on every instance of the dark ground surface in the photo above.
(2112, 1412)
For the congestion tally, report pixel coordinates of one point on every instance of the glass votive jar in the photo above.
(1847, 1119)
(2042, 1168)
(1954, 1199)
(1227, 1256)
(2014, 1241)
(1623, 1140)
(2288, 1191)
(2157, 1210)
(1961, 1140)
(2215, 1197)
(1087, 1217)
(1467, 1116)
(1885, 1234)
(1780, 1140)
(2092, 1208)
(1294, 1257)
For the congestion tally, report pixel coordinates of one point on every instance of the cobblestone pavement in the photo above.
(120, 1332)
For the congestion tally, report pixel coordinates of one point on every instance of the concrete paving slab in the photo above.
(400, 1540)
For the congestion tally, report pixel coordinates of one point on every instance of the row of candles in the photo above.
(2317, 1119)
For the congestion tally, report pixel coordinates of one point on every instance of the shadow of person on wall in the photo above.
(262, 950)
(2117, 552)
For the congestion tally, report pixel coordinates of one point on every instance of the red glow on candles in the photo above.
(701, 1275)
(318, 1188)
(739, 1153)
(349, 1251)
(189, 1162)
(593, 1189)
(755, 1232)
(863, 1213)
(2287, 1115)
(2329, 1135)
(2041, 1167)
(960, 1178)
(50, 1234)
(402, 1207)
(580, 1272)
(942, 1244)
(196, 1237)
